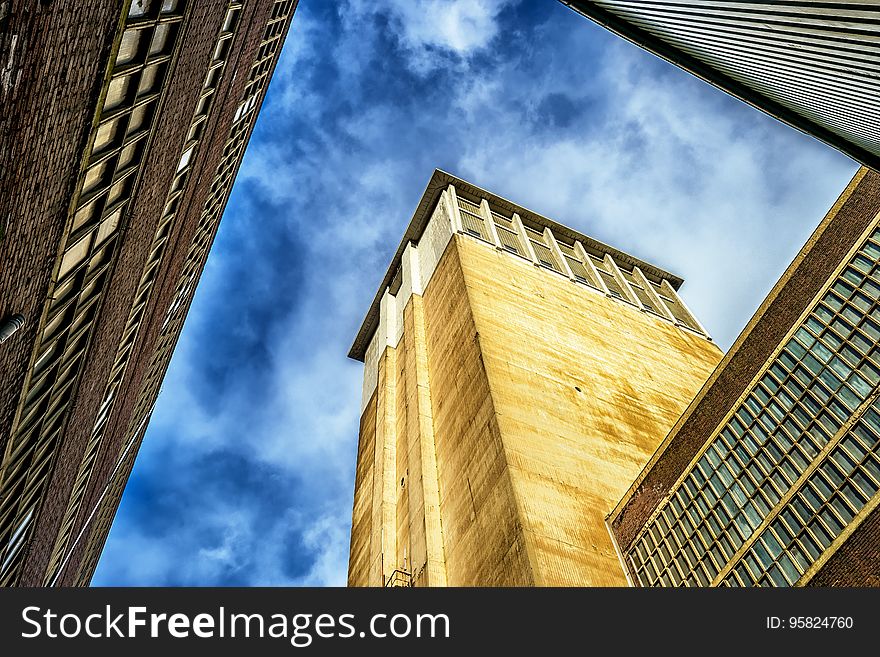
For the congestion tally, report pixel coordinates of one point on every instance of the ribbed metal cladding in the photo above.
(813, 65)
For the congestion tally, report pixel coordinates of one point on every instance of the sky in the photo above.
(246, 473)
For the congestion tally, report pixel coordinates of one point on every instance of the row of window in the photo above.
(809, 391)
(106, 508)
(823, 506)
(162, 351)
(127, 117)
(598, 271)
(132, 327)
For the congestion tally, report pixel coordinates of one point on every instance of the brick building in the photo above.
(772, 475)
(122, 128)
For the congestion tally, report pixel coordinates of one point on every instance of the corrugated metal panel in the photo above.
(813, 65)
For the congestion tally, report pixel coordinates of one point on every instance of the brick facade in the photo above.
(51, 64)
(857, 561)
(55, 164)
(788, 299)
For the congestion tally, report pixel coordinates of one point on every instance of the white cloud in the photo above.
(430, 30)
(328, 540)
(669, 177)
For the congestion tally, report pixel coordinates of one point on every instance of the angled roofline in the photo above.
(439, 181)
(725, 83)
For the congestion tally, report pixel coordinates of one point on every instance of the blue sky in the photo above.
(246, 473)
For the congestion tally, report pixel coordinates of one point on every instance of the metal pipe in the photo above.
(10, 326)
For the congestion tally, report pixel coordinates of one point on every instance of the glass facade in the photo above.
(795, 461)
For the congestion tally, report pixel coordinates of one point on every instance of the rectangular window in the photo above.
(107, 135)
(75, 255)
(160, 42)
(140, 8)
(132, 47)
(185, 158)
(16, 540)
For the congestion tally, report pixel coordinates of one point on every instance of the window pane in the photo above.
(108, 226)
(148, 82)
(75, 255)
(130, 46)
(106, 135)
(139, 8)
(160, 42)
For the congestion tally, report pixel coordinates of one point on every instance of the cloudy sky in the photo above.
(247, 470)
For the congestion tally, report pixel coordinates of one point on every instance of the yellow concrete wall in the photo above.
(482, 530)
(362, 514)
(584, 389)
(396, 515)
(480, 463)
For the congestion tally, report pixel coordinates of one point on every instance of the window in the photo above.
(16, 541)
(140, 118)
(811, 390)
(205, 102)
(119, 190)
(74, 255)
(98, 175)
(108, 226)
(140, 8)
(222, 49)
(130, 155)
(161, 41)
(107, 135)
(150, 79)
(678, 311)
(213, 77)
(472, 218)
(638, 289)
(130, 47)
(507, 234)
(545, 255)
(195, 132)
(230, 20)
(185, 158)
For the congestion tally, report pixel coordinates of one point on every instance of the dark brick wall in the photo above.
(51, 65)
(201, 27)
(807, 277)
(857, 561)
(252, 23)
(145, 211)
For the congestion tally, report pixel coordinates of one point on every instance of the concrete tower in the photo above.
(518, 376)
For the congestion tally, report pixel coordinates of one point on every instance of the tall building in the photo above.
(812, 65)
(517, 376)
(771, 476)
(123, 124)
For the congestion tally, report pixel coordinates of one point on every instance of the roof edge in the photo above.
(438, 182)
